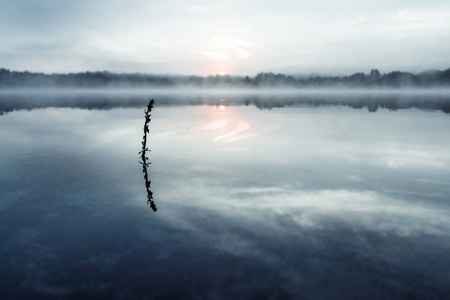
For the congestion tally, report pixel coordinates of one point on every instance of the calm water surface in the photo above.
(311, 201)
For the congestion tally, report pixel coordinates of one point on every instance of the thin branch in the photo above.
(144, 158)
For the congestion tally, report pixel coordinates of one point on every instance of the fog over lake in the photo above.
(307, 195)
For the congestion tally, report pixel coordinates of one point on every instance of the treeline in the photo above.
(396, 79)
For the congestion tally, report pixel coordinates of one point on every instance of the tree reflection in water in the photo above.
(144, 159)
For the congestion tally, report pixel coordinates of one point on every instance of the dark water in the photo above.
(311, 198)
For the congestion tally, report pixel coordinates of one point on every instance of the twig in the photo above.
(144, 158)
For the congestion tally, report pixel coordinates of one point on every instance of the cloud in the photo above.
(237, 46)
(216, 56)
(196, 8)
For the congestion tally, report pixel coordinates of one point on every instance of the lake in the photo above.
(268, 196)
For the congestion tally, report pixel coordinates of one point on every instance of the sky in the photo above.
(225, 37)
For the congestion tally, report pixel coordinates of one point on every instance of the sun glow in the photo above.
(221, 73)
(221, 107)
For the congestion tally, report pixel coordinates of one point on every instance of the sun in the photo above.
(221, 107)
(221, 73)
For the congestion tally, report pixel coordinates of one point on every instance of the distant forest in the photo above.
(104, 79)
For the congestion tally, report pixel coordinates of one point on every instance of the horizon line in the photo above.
(312, 74)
